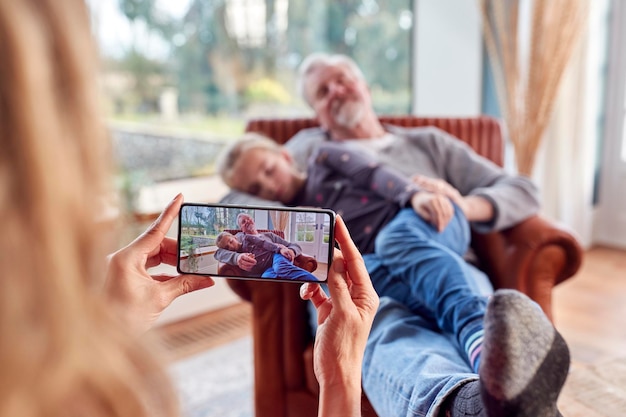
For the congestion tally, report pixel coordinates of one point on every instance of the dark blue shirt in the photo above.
(365, 193)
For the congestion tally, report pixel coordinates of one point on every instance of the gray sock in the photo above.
(465, 401)
(524, 359)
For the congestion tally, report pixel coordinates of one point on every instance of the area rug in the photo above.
(217, 382)
(597, 390)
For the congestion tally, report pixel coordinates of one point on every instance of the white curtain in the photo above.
(529, 45)
(280, 219)
(564, 169)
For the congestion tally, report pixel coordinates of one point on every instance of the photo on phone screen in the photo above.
(250, 242)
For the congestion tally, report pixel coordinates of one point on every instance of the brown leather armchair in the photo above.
(304, 261)
(532, 257)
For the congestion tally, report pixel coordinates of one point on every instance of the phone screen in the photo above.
(253, 242)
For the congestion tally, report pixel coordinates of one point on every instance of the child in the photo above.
(379, 206)
(272, 261)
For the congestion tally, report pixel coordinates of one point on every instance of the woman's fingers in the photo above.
(312, 291)
(151, 239)
(352, 259)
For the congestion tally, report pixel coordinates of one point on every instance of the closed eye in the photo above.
(254, 188)
(322, 92)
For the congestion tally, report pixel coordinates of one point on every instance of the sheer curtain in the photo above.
(280, 219)
(529, 45)
(566, 161)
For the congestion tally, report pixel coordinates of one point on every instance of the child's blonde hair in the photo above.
(219, 239)
(228, 158)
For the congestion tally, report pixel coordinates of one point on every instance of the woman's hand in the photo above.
(345, 319)
(140, 296)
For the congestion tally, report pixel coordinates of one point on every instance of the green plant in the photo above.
(193, 259)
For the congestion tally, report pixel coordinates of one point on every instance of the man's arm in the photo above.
(436, 153)
(475, 207)
(294, 247)
(512, 198)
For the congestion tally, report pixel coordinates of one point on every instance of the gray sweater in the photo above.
(431, 152)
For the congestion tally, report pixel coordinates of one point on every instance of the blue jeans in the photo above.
(282, 268)
(425, 270)
(410, 366)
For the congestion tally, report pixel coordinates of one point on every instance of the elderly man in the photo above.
(244, 260)
(433, 380)
(336, 90)
(410, 367)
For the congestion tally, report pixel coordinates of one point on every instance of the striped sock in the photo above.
(473, 347)
(471, 340)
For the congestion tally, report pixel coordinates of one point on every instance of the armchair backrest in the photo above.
(483, 134)
(277, 232)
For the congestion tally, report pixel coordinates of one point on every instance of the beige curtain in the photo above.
(529, 44)
(280, 219)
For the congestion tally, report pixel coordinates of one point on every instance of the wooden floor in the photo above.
(590, 308)
(590, 313)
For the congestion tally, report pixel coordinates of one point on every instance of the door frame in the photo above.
(610, 217)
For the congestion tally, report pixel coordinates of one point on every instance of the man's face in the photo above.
(246, 224)
(339, 97)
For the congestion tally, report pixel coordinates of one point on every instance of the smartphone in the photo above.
(254, 242)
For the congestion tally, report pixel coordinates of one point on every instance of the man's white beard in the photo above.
(349, 113)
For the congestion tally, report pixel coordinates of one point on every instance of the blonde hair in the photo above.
(318, 60)
(62, 349)
(227, 161)
(219, 239)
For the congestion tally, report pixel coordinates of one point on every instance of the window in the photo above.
(305, 227)
(197, 70)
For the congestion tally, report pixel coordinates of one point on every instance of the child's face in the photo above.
(267, 174)
(230, 242)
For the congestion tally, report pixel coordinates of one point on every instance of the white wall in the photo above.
(448, 58)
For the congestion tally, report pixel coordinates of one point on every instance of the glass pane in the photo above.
(326, 229)
(305, 227)
(181, 78)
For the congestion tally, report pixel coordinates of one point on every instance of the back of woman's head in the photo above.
(61, 351)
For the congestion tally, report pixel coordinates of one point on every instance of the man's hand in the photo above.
(246, 261)
(436, 209)
(474, 207)
(288, 253)
(437, 186)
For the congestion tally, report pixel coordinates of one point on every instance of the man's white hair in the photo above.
(319, 59)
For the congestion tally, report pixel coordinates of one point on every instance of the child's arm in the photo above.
(366, 172)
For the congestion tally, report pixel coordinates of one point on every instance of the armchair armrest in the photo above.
(281, 335)
(531, 257)
(241, 287)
